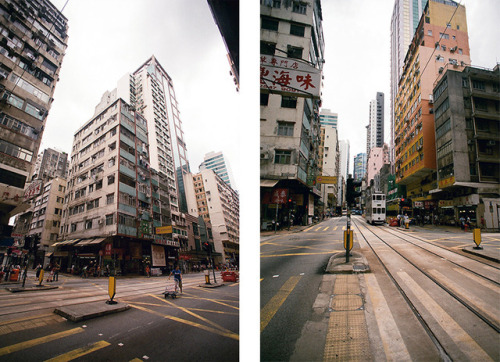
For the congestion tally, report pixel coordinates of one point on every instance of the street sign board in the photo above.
(280, 196)
(326, 180)
(164, 230)
(289, 76)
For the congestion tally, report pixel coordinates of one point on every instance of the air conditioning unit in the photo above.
(470, 142)
(100, 221)
(491, 143)
(264, 156)
(431, 98)
(441, 70)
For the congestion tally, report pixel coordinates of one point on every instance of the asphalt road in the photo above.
(202, 324)
(292, 268)
(424, 299)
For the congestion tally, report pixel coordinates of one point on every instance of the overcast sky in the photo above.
(357, 46)
(110, 38)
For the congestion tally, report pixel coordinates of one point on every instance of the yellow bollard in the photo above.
(40, 278)
(477, 238)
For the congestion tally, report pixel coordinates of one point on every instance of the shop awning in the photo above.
(48, 254)
(93, 241)
(268, 183)
(66, 242)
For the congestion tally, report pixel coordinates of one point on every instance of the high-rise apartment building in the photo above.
(378, 157)
(216, 162)
(150, 91)
(115, 199)
(43, 218)
(344, 150)
(467, 118)
(292, 56)
(441, 38)
(32, 47)
(51, 163)
(405, 18)
(375, 128)
(359, 166)
(328, 118)
(330, 165)
(218, 204)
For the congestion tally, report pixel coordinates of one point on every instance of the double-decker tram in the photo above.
(375, 207)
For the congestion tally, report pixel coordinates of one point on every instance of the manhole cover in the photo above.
(359, 267)
(346, 302)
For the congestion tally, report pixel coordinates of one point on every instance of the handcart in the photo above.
(171, 290)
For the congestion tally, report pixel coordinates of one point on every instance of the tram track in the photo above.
(400, 233)
(363, 233)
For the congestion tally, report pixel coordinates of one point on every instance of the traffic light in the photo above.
(351, 191)
(27, 242)
(36, 243)
(405, 202)
(206, 246)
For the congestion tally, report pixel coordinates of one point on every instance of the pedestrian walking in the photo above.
(177, 277)
(483, 223)
(148, 271)
(38, 268)
(56, 272)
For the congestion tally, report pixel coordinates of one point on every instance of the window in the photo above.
(267, 48)
(288, 102)
(478, 84)
(299, 7)
(269, 24)
(73, 227)
(264, 99)
(296, 29)
(285, 128)
(283, 157)
(111, 179)
(88, 224)
(429, 32)
(294, 52)
(109, 219)
(110, 198)
(460, 51)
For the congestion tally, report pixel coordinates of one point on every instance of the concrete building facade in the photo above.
(219, 206)
(32, 47)
(375, 128)
(51, 163)
(436, 43)
(467, 132)
(379, 156)
(290, 126)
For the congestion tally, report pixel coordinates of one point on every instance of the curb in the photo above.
(75, 314)
(30, 289)
(357, 264)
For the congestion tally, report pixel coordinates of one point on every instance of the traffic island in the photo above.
(357, 264)
(211, 285)
(31, 289)
(84, 311)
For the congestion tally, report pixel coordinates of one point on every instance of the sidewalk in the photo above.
(293, 229)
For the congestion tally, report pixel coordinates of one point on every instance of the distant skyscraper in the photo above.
(406, 15)
(216, 162)
(359, 166)
(375, 128)
(327, 118)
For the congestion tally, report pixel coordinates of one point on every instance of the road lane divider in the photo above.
(37, 341)
(79, 352)
(267, 313)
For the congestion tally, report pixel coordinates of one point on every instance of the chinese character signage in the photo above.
(446, 182)
(289, 76)
(326, 179)
(280, 196)
(33, 190)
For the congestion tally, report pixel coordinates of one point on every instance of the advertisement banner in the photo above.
(158, 255)
(279, 196)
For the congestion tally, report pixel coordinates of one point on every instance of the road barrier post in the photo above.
(111, 290)
(477, 238)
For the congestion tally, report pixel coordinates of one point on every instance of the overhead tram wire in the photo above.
(39, 46)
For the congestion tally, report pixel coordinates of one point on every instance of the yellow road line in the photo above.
(308, 229)
(325, 229)
(268, 241)
(185, 321)
(215, 301)
(69, 356)
(185, 310)
(335, 228)
(267, 313)
(318, 228)
(34, 342)
(25, 319)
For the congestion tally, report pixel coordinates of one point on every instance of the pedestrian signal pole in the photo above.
(348, 237)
